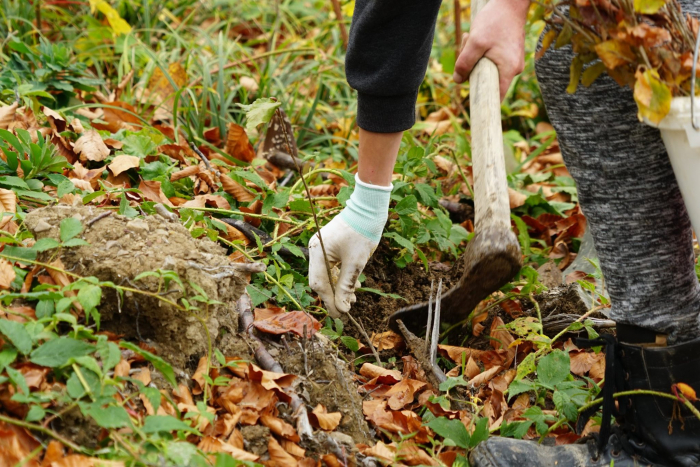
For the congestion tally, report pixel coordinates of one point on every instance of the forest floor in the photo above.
(161, 168)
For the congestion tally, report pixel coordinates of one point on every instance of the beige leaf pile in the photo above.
(8, 204)
(7, 115)
(91, 147)
(123, 163)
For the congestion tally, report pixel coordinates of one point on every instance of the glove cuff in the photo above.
(367, 209)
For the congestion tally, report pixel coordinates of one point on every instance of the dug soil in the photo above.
(411, 283)
(120, 249)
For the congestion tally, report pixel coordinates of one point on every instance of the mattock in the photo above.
(492, 257)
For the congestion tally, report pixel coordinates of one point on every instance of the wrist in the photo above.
(367, 209)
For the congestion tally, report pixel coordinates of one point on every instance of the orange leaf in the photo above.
(320, 418)
(151, 191)
(186, 172)
(687, 391)
(199, 374)
(387, 340)
(501, 339)
(379, 374)
(403, 393)
(278, 456)
(235, 189)
(238, 145)
(280, 427)
(484, 376)
(294, 322)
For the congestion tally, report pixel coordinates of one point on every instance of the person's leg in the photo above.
(630, 197)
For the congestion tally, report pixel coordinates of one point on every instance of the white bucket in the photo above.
(683, 146)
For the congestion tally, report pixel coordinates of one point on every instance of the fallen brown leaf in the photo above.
(501, 340)
(379, 374)
(123, 163)
(280, 427)
(484, 376)
(402, 393)
(199, 374)
(293, 321)
(320, 418)
(151, 191)
(91, 147)
(186, 172)
(278, 456)
(235, 189)
(387, 340)
(237, 144)
(7, 274)
(7, 115)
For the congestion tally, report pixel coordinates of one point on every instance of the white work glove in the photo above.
(349, 239)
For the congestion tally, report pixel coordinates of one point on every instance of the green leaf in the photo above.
(407, 206)
(35, 413)
(161, 365)
(16, 333)
(350, 342)
(109, 353)
(516, 429)
(454, 430)
(13, 182)
(139, 145)
(453, 382)
(259, 112)
(70, 227)
(518, 387)
(109, 417)
(75, 242)
(523, 235)
(380, 293)
(427, 194)
(89, 296)
(403, 242)
(648, 7)
(165, 423)
(57, 352)
(65, 187)
(553, 368)
(526, 366)
(258, 295)
(480, 433)
(45, 244)
(7, 356)
(44, 308)
(18, 379)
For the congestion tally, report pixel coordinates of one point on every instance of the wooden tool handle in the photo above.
(490, 184)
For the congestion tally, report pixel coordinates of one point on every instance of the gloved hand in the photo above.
(349, 239)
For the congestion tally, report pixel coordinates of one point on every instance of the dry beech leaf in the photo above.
(211, 444)
(237, 144)
(402, 394)
(280, 427)
(122, 163)
(379, 374)
(186, 172)
(201, 201)
(91, 147)
(235, 189)
(7, 115)
(122, 369)
(151, 191)
(278, 456)
(472, 369)
(144, 376)
(516, 198)
(483, 377)
(294, 322)
(199, 374)
(501, 339)
(320, 418)
(489, 358)
(293, 449)
(177, 152)
(7, 274)
(380, 451)
(387, 340)
(8, 204)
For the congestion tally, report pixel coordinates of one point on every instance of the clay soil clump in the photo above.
(121, 248)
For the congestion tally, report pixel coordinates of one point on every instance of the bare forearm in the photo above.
(378, 152)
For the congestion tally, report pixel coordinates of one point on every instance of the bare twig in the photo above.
(204, 158)
(97, 218)
(339, 17)
(458, 25)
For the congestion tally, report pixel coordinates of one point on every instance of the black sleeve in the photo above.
(388, 52)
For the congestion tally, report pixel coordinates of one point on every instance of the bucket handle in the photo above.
(692, 82)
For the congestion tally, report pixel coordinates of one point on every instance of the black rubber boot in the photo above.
(652, 431)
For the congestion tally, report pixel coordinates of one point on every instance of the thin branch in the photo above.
(339, 17)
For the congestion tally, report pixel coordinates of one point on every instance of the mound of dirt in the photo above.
(121, 248)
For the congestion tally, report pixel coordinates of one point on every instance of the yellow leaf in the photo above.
(592, 73)
(118, 25)
(614, 53)
(348, 9)
(652, 95)
(687, 391)
(648, 7)
(574, 74)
